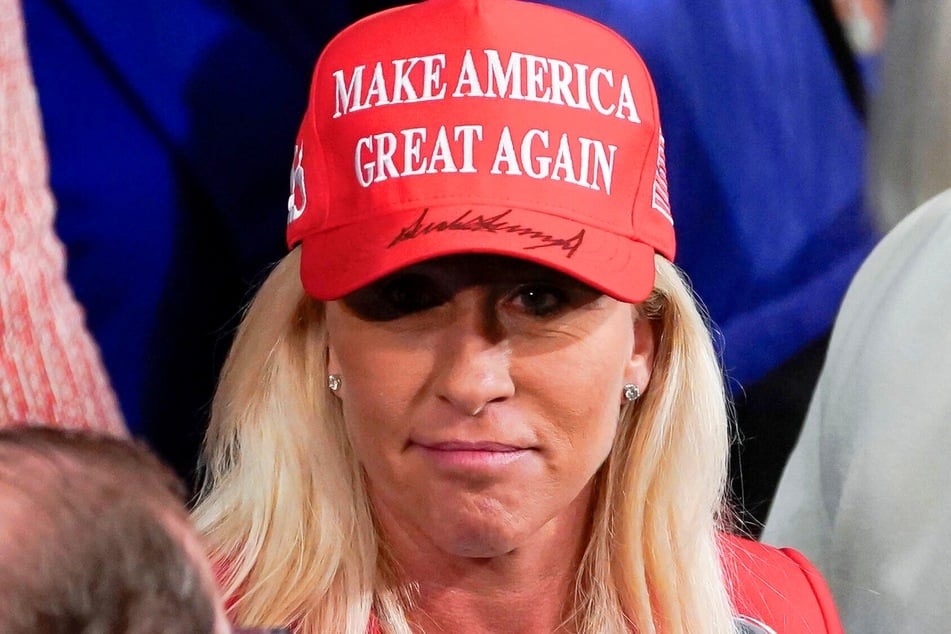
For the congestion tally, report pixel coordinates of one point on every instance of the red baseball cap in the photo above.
(480, 126)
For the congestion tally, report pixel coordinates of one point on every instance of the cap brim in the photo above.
(338, 261)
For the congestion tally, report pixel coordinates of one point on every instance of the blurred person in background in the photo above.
(94, 538)
(865, 493)
(50, 367)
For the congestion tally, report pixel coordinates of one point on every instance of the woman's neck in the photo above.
(482, 605)
(528, 589)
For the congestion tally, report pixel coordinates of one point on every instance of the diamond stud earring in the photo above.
(631, 392)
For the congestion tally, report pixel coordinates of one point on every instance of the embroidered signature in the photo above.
(492, 224)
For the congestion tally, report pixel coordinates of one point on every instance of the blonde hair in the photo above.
(287, 521)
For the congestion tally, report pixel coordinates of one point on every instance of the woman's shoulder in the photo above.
(777, 588)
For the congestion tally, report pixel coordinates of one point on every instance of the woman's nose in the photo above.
(473, 361)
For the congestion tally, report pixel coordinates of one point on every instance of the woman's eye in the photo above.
(392, 298)
(539, 300)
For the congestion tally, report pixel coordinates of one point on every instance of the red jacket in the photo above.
(778, 589)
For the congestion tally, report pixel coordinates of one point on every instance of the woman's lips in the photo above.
(468, 445)
(472, 454)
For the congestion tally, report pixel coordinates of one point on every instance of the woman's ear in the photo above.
(641, 364)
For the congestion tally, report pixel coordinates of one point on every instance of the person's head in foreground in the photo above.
(95, 539)
(476, 395)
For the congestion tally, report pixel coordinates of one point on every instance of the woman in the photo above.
(477, 396)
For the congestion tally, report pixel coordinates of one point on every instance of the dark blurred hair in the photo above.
(92, 539)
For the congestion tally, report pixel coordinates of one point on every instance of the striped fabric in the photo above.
(50, 369)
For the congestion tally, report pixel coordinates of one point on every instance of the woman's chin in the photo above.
(478, 537)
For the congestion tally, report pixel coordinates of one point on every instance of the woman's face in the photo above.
(481, 395)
